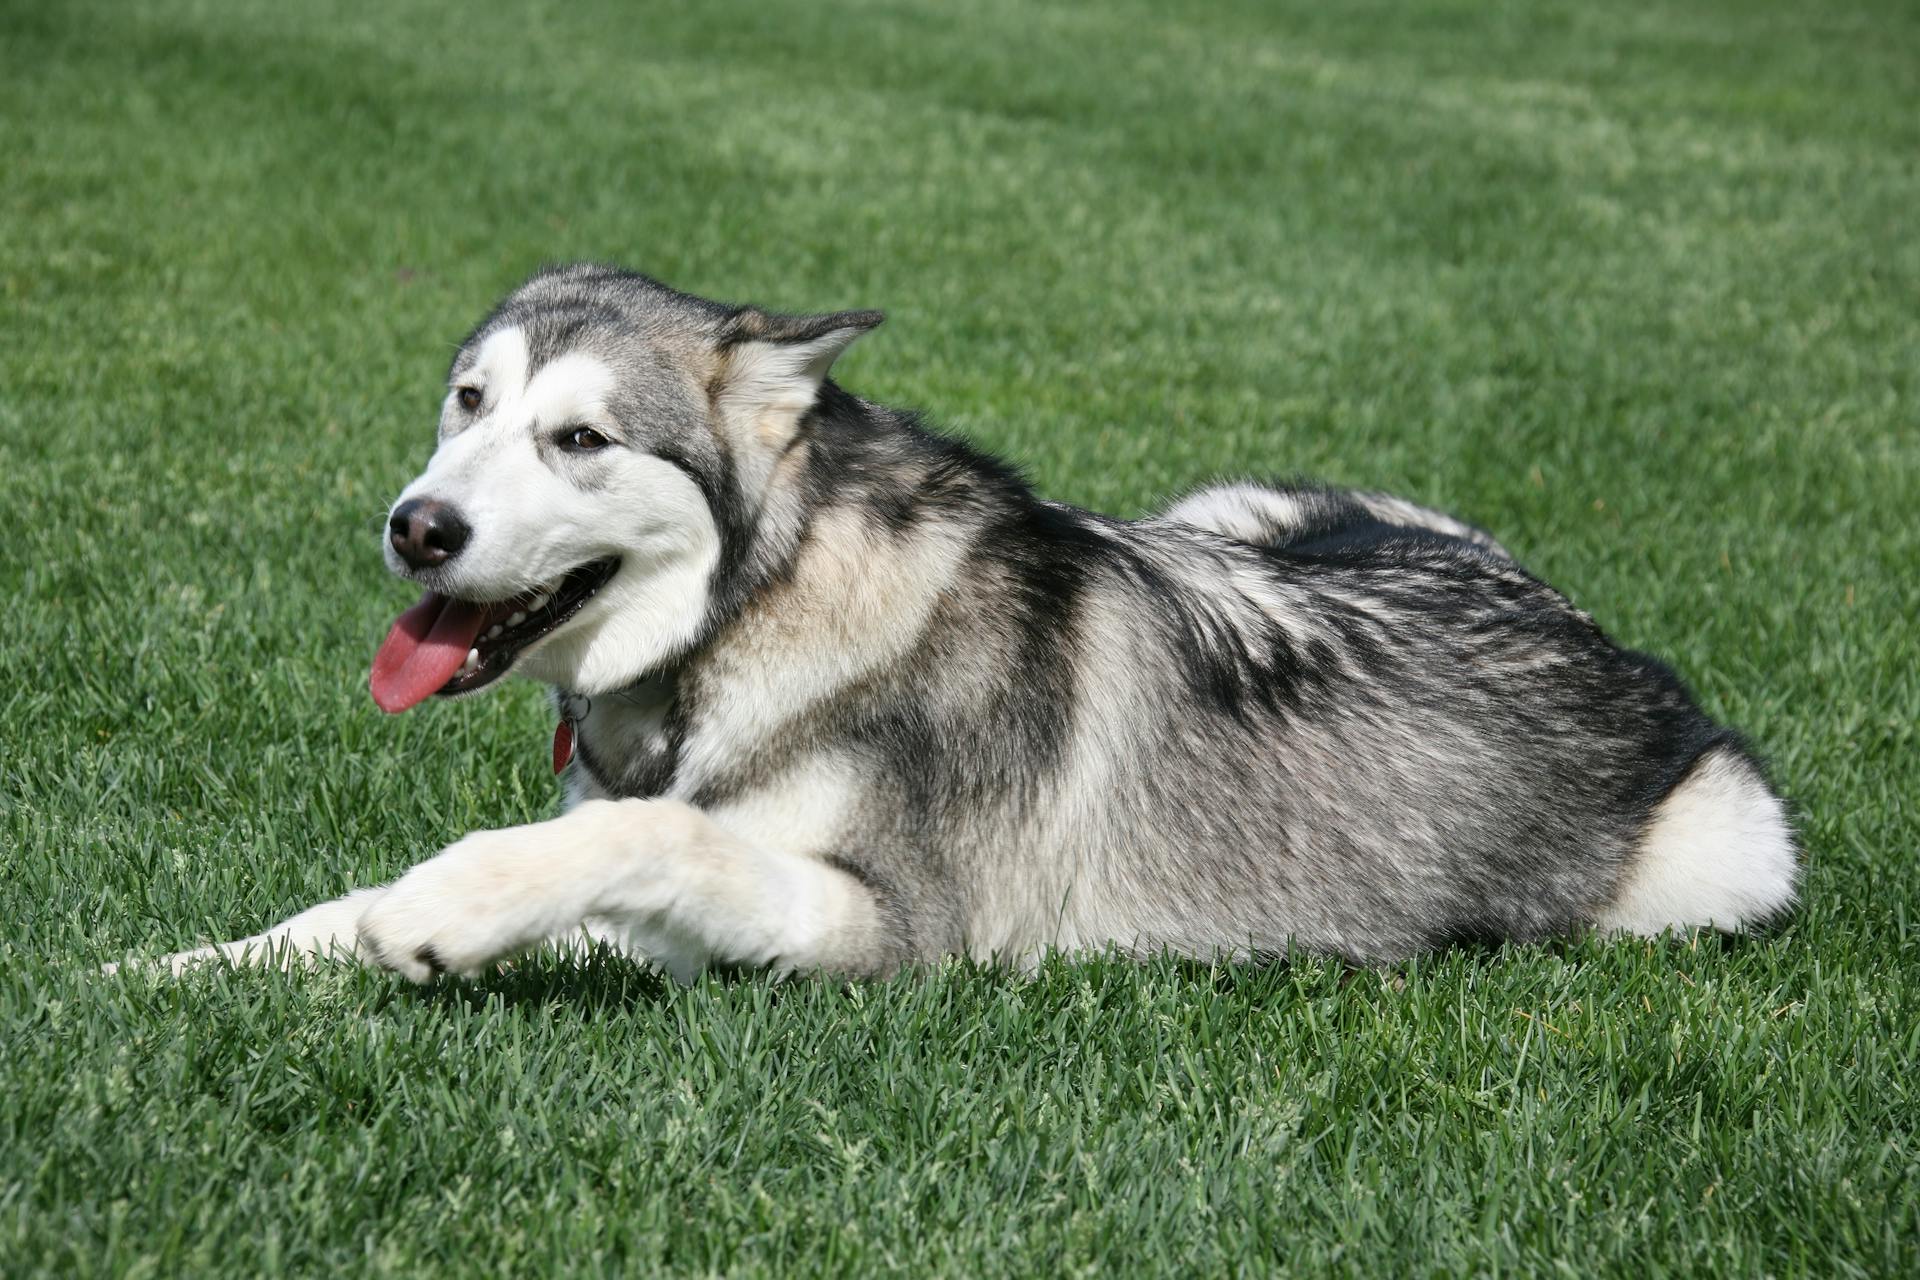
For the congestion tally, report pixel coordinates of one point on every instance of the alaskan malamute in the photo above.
(837, 691)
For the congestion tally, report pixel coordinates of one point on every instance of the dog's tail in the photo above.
(1287, 515)
(1718, 851)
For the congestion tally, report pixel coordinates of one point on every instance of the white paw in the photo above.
(487, 896)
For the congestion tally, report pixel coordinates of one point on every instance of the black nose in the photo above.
(426, 533)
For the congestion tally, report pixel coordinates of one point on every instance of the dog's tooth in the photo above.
(516, 618)
(540, 604)
(472, 663)
(494, 630)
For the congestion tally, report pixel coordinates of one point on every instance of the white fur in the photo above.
(1244, 512)
(499, 372)
(768, 388)
(1384, 506)
(1718, 852)
(648, 866)
(532, 525)
(850, 608)
(1256, 514)
(326, 932)
(653, 872)
(802, 811)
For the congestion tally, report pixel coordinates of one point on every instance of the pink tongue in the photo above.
(426, 646)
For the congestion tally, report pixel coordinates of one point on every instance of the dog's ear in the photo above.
(773, 366)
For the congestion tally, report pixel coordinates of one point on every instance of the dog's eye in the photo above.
(582, 440)
(469, 398)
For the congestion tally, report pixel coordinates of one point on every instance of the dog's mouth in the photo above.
(446, 646)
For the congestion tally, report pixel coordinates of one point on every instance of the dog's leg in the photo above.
(330, 932)
(660, 868)
(325, 932)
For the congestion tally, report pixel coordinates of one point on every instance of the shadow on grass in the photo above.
(590, 985)
(603, 981)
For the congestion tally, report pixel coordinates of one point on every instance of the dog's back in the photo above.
(1301, 716)
(1717, 848)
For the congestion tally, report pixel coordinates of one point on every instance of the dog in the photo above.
(838, 692)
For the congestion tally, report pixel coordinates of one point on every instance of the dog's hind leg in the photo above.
(655, 869)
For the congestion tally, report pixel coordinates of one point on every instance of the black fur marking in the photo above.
(898, 920)
(557, 330)
(858, 872)
(718, 487)
(642, 776)
(1053, 552)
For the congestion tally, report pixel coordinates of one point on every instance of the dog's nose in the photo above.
(426, 533)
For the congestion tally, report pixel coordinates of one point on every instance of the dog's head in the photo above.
(602, 439)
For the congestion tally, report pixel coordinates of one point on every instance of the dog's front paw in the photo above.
(483, 898)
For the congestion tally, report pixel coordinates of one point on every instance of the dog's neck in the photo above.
(838, 582)
(625, 741)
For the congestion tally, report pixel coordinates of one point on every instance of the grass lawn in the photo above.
(1637, 286)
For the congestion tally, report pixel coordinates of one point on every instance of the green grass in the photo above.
(1636, 286)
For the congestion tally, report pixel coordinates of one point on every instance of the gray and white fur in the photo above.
(854, 697)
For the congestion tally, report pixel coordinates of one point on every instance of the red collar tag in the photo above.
(562, 744)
